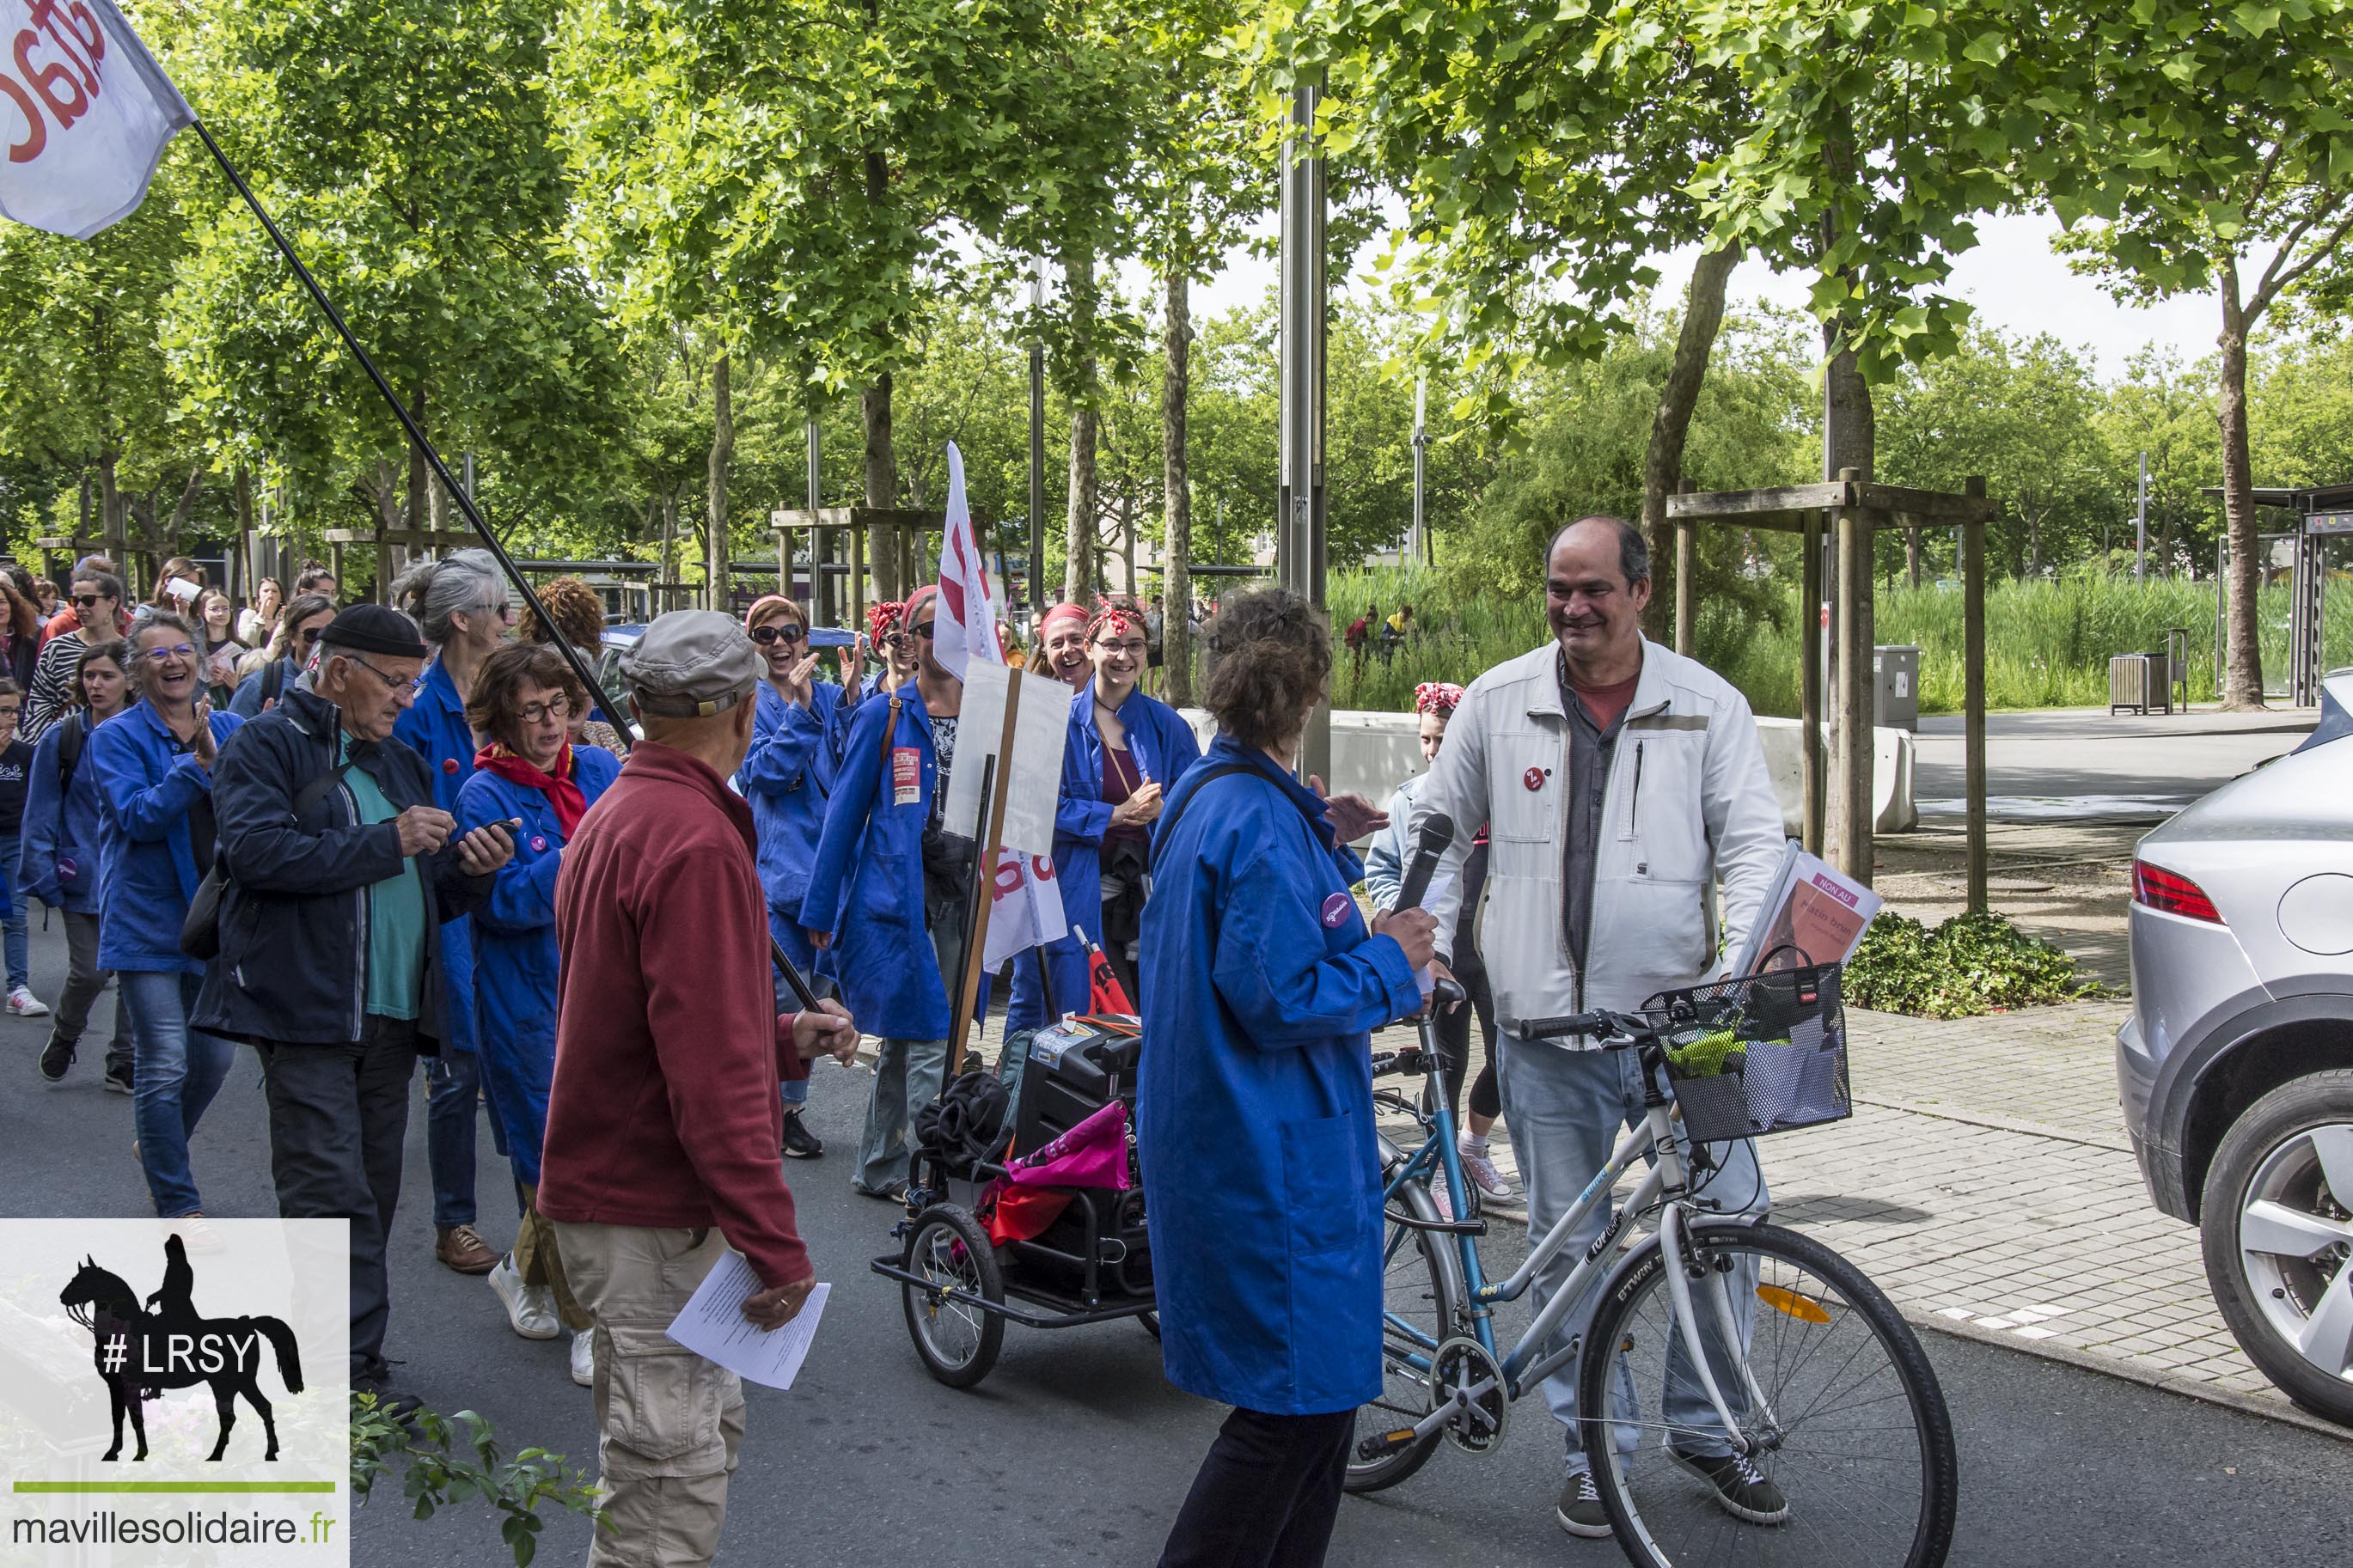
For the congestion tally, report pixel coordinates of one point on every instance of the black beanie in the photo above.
(374, 628)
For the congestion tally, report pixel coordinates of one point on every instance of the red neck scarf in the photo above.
(561, 792)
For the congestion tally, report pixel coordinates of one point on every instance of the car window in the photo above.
(2335, 724)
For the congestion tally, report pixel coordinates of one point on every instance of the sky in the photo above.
(2012, 279)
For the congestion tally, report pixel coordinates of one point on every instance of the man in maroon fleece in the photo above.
(663, 1124)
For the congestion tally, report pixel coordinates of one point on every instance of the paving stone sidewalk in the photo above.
(1986, 1183)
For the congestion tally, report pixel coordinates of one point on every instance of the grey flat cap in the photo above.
(691, 664)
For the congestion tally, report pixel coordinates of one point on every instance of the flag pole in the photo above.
(794, 979)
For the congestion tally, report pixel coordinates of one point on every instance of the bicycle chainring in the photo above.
(1461, 1363)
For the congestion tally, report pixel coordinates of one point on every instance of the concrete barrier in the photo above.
(1372, 754)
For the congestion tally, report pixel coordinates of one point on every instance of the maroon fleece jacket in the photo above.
(667, 1045)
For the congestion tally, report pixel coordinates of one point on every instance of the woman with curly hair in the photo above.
(578, 612)
(1254, 1097)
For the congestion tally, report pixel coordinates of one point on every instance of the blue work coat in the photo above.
(515, 949)
(1163, 746)
(150, 779)
(1254, 1097)
(866, 885)
(785, 776)
(63, 828)
(434, 728)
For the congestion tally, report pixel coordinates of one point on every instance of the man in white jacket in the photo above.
(1620, 784)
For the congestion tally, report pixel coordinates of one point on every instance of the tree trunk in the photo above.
(181, 513)
(1081, 575)
(112, 535)
(1912, 552)
(420, 497)
(881, 487)
(2242, 656)
(1177, 543)
(1663, 464)
(719, 583)
(668, 545)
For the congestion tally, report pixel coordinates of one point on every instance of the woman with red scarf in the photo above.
(523, 698)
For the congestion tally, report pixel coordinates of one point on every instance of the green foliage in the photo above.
(450, 1459)
(1967, 965)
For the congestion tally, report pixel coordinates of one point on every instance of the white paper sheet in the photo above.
(712, 1325)
(1032, 778)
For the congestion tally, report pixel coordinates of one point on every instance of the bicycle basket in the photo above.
(1766, 1053)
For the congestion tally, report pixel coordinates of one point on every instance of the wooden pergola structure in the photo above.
(1838, 810)
(381, 541)
(828, 559)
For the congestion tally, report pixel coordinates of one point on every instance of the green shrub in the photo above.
(449, 1458)
(1969, 964)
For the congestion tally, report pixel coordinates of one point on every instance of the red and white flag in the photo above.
(85, 115)
(968, 618)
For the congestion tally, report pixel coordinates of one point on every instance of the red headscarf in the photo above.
(1437, 697)
(1056, 613)
(1119, 618)
(562, 790)
(881, 617)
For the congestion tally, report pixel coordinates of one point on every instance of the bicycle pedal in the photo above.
(1381, 1443)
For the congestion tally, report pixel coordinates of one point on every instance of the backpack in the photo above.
(273, 680)
(72, 730)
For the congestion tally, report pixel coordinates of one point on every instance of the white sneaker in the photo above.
(584, 1358)
(1440, 1200)
(194, 1233)
(1483, 1175)
(531, 1309)
(24, 1005)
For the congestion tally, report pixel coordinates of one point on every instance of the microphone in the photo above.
(1437, 832)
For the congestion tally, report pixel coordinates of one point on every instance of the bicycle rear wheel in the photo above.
(1420, 1304)
(1839, 1403)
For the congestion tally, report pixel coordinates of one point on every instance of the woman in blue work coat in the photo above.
(866, 903)
(65, 814)
(523, 698)
(1125, 752)
(460, 603)
(1254, 1110)
(785, 776)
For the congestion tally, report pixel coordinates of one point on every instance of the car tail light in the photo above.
(2172, 892)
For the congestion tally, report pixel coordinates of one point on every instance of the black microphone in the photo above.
(1430, 844)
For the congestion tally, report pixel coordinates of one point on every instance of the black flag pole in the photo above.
(794, 979)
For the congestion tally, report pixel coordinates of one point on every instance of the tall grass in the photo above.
(2047, 642)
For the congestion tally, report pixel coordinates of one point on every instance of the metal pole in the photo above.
(1037, 451)
(1973, 702)
(820, 593)
(1420, 541)
(1299, 528)
(2140, 526)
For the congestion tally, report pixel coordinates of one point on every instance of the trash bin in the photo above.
(1896, 673)
(2138, 683)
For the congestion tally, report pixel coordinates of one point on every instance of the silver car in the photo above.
(2237, 1062)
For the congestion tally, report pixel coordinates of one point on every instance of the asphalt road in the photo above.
(1075, 1451)
(2082, 762)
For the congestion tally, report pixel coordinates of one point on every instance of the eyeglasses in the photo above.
(504, 610)
(169, 650)
(924, 631)
(787, 635)
(87, 601)
(553, 708)
(309, 634)
(393, 683)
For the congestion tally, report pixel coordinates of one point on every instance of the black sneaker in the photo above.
(1579, 1512)
(1741, 1489)
(117, 1080)
(57, 1056)
(800, 1143)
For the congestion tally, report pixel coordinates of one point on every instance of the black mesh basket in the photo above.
(1762, 1054)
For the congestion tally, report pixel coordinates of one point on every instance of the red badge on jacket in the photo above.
(1533, 778)
(448, 765)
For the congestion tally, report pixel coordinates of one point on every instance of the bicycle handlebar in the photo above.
(1629, 1026)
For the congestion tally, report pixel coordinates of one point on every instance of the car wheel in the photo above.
(2278, 1235)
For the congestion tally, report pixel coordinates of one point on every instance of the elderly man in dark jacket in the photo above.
(341, 871)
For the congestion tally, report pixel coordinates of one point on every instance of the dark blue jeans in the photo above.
(14, 944)
(176, 1073)
(453, 1088)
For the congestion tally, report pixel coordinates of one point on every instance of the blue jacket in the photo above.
(1255, 1109)
(434, 728)
(70, 828)
(786, 776)
(515, 949)
(246, 703)
(866, 885)
(1163, 745)
(150, 780)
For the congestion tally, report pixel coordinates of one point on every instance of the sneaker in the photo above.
(531, 1309)
(800, 1143)
(1441, 1199)
(56, 1057)
(461, 1247)
(117, 1080)
(192, 1230)
(24, 1005)
(584, 1358)
(1741, 1489)
(400, 1407)
(895, 1192)
(1579, 1511)
(1482, 1172)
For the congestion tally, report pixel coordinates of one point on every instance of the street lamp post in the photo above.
(1421, 467)
(1037, 445)
(1299, 525)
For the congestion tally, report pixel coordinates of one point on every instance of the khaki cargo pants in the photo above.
(668, 1423)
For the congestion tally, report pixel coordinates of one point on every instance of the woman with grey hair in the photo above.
(460, 604)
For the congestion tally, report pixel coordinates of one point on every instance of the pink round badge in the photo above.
(538, 842)
(1335, 909)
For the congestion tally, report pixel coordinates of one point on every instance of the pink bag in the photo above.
(1092, 1155)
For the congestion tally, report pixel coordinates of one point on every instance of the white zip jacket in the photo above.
(1687, 803)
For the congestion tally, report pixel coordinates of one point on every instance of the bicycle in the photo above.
(1829, 1396)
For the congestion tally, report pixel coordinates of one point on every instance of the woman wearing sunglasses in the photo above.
(786, 776)
(98, 609)
(287, 657)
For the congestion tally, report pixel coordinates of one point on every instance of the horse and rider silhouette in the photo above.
(135, 1348)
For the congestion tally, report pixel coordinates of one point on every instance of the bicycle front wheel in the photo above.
(1421, 1308)
(1849, 1461)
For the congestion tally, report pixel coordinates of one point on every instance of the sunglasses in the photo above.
(309, 634)
(787, 635)
(87, 601)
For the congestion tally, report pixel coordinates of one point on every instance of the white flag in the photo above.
(85, 114)
(966, 627)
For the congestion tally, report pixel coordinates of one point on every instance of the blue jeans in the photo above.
(1565, 1109)
(176, 1071)
(453, 1089)
(18, 973)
